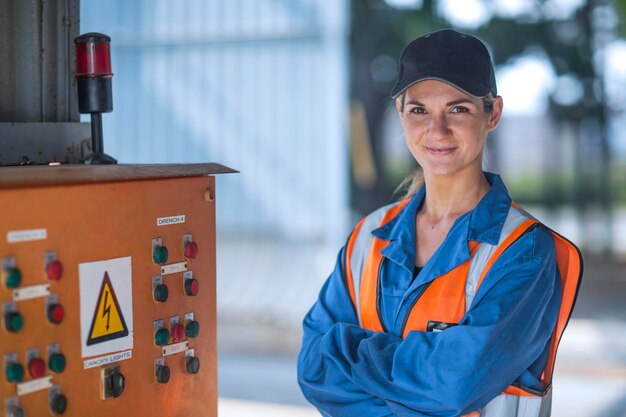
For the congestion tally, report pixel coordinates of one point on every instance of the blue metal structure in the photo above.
(257, 85)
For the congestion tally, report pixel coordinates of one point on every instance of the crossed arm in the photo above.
(345, 370)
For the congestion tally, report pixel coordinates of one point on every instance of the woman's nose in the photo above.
(438, 126)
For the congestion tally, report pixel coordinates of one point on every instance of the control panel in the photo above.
(107, 291)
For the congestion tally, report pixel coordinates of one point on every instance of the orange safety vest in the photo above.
(447, 298)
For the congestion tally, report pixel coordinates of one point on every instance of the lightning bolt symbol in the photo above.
(107, 308)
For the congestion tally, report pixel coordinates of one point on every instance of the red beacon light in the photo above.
(93, 55)
(94, 79)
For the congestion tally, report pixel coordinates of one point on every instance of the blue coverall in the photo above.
(345, 370)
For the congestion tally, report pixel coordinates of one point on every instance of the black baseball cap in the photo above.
(447, 55)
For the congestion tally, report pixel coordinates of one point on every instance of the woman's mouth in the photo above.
(439, 151)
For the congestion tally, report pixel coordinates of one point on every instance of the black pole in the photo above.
(96, 133)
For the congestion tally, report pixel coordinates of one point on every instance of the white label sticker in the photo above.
(105, 360)
(28, 293)
(175, 348)
(34, 385)
(173, 268)
(164, 221)
(26, 235)
(106, 306)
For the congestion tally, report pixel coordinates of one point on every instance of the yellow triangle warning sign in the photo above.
(108, 322)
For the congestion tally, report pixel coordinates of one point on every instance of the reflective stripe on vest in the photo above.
(447, 298)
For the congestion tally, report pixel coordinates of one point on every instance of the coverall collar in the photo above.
(482, 224)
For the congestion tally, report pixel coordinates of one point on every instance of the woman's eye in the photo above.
(460, 109)
(418, 110)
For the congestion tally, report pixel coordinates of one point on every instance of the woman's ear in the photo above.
(495, 114)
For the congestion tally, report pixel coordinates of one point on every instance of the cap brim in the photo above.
(467, 86)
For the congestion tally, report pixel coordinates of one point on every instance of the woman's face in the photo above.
(444, 128)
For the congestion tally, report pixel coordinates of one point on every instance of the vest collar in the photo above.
(482, 224)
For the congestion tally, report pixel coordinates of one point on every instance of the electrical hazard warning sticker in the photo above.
(108, 322)
(106, 310)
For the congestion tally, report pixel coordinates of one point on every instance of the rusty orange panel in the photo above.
(84, 223)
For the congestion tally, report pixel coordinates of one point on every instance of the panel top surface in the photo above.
(37, 176)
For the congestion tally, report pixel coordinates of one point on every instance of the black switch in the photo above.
(14, 411)
(162, 374)
(58, 404)
(117, 383)
(161, 293)
(192, 364)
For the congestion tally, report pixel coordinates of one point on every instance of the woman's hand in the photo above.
(472, 414)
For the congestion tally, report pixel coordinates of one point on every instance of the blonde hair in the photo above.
(412, 183)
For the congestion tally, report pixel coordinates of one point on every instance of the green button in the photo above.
(56, 363)
(160, 254)
(13, 278)
(192, 329)
(15, 372)
(161, 337)
(14, 322)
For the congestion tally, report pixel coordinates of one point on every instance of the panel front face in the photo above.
(108, 299)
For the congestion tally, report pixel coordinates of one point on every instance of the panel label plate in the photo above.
(26, 235)
(175, 348)
(165, 221)
(34, 385)
(174, 268)
(28, 293)
(106, 306)
(104, 360)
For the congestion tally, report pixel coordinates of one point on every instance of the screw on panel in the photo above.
(49, 256)
(209, 195)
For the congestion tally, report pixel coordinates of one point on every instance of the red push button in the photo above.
(178, 333)
(36, 368)
(191, 250)
(56, 313)
(191, 287)
(54, 270)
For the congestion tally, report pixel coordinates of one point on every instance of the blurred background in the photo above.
(295, 95)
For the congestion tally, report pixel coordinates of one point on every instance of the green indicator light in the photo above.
(160, 255)
(15, 372)
(56, 363)
(161, 337)
(13, 278)
(192, 329)
(14, 322)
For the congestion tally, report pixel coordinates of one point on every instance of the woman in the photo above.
(453, 300)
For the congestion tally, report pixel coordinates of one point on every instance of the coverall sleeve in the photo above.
(449, 373)
(322, 383)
